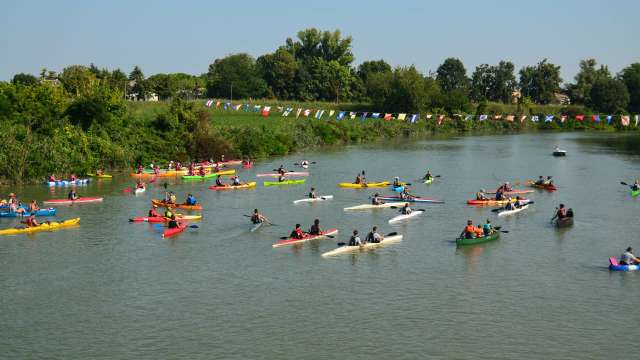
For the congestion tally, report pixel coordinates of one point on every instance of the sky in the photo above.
(186, 36)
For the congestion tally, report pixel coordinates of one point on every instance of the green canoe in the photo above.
(480, 240)
(286, 182)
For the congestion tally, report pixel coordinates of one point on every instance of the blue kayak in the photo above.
(41, 212)
(614, 265)
(67, 182)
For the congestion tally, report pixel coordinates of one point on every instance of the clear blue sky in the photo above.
(186, 36)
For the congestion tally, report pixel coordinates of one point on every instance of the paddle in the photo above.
(193, 226)
(340, 244)
(624, 183)
(298, 164)
(265, 220)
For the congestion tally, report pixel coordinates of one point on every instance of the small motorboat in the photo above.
(559, 152)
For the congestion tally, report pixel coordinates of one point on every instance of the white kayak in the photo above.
(399, 218)
(310, 200)
(140, 190)
(371, 206)
(368, 246)
(511, 212)
(256, 226)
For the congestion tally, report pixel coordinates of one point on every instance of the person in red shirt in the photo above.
(153, 212)
(297, 233)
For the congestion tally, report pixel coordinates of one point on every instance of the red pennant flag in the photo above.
(563, 118)
(624, 120)
(265, 111)
(579, 117)
(387, 116)
(440, 119)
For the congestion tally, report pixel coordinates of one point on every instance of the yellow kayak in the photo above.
(369, 185)
(51, 226)
(103, 176)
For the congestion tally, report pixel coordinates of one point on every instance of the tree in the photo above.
(138, 87)
(235, 73)
(279, 70)
(631, 78)
(77, 79)
(118, 80)
(482, 82)
(409, 90)
(326, 45)
(504, 83)
(101, 106)
(24, 79)
(540, 82)
(452, 75)
(586, 77)
(609, 95)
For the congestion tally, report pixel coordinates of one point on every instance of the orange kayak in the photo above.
(161, 203)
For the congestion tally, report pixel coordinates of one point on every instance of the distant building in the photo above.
(134, 97)
(515, 96)
(562, 99)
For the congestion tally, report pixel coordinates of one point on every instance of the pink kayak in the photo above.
(288, 173)
(81, 200)
(512, 192)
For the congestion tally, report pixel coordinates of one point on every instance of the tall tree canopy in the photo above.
(77, 79)
(631, 78)
(279, 71)
(608, 95)
(585, 79)
(452, 75)
(139, 86)
(237, 73)
(541, 82)
(495, 83)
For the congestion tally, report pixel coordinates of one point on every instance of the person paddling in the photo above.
(201, 171)
(635, 186)
(282, 178)
(31, 221)
(373, 236)
(173, 223)
(480, 195)
(404, 195)
(396, 182)
(561, 213)
(354, 240)
(487, 228)
(168, 213)
(73, 195)
(140, 184)
(219, 181)
(191, 200)
(629, 258)
(315, 228)
(406, 210)
(499, 194)
(297, 233)
(312, 193)
(258, 218)
(33, 206)
(375, 200)
(469, 230)
(153, 212)
(358, 179)
(235, 181)
(428, 176)
(540, 180)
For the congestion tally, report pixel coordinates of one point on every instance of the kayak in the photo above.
(208, 176)
(635, 192)
(81, 200)
(362, 186)
(51, 226)
(565, 222)
(492, 202)
(511, 212)
(371, 206)
(288, 173)
(512, 192)
(549, 187)
(428, 181)
(399, 218)
(103, 176)
(67, 182)
(310, 200)
(367, 246)
(307, 237)
(478, 240)
(234, 187)
(559, 152)
(41, 212)
(614, 265)
(161, 203)
(416, 199)
(398, 188)
(171, 232)
(139, 190)
(247, 165)
(161, 219)
(286, 182)
(256, 226)
(169, 173)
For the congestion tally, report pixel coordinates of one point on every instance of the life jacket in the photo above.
(29, 221)
(219, 181)
(255, 218)
(314, 230)
(312, 195)
(173, 224)
(153, 213)
(469, 230)
(479, 232)
(297, 234)
(562, 213)
(352, 240)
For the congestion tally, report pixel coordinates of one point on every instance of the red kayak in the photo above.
(171, 232)
(81, 200)
(248, 165)
(307, 237)
(512, 192)
(549, 187)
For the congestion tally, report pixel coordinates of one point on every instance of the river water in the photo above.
(114, 290)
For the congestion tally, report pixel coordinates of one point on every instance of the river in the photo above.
(109, 289)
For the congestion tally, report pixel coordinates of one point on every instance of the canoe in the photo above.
(51, 226)
(306, 238)
(209, 176)
(368, 185)
(41, 212)
(288, 173)
(614, 265)
(82, 200)
(399, 218)
(511, 212)
(417, 200)
(171, 232)
(635, 192)
(234, 187)
(565, 222)
(560, 153)
(549, 187)
(139, 190)
(371, 206)
(286, 182)
(478, 240)
(161, 203)
(162, 219)
(67, 182)
(103, 176)
(367, 246)
(310, 200)
(492, 202)
(512, 192)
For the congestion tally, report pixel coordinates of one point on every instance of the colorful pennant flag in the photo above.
(245, 107)
(331, 112)
(306, 112)
(595, 118)
(287, 111)
(387, 116)
(402, 116)
(440, 119)
(563, 118)
(510, 118)
(298, 112)
(364, 116)
(637, 119)
(265, 111)
(548, 118)
(319, 114)
(483, 117)
(414, 118)
(609, 118)
(209, 103)
(429, 116)
(375, 115)
(218, 104)
(468, 117)
(256, 108)
(497, 117)
(535, 118)
(579, 117)
(624, 120)
(352, 115)
(340, 115)
(523, 118)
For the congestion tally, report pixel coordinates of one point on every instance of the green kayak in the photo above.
(286, 182)
(428, 181)
(635, 192)
(198, 177)
(480, 240)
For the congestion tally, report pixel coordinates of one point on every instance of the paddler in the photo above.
(172, 197)
(216, 168)
(153, 212)
(191, 200)
(629, 258)
(52, 178)
(358, 179)
(178, 166)
(72, 177)
(561, 213)
(99, 172)
(168, 213)
(173, 223)
(499, 194)
(406, 210)
(518, 203)
(281, 169)
(219, 181)
(312, 193)
(428, 176)
(375, 200)
(404, 195)
(170, 166)
(297, 233)
(31, 221)
(33, 206)
(469, 230)
(201, 171)
(510, 205)
(354, 240)
(635, 186)
(540, 180)
(480, 195)
(548, 181)
(140, 169)
(73, 195)
(315, 228)
(396, 182)
(373, 236)
(191, 169)
(487, 228)
(140, 184)
(304, 163)
(258, 218)
(282, 178)
(235, 181)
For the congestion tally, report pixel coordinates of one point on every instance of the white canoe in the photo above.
(511, 212)
(140, 190)
(371, 206)
(399, 218)
(309, 200)
(368, 246)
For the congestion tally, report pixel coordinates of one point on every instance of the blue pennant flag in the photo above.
(535, 118)
(375, 115)
(245, 107)
(340, 115)
(609, 118)
(256, 108)
(483, 117)
(414, 118)
(364, 115)
(548, 118)
(596, 118)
